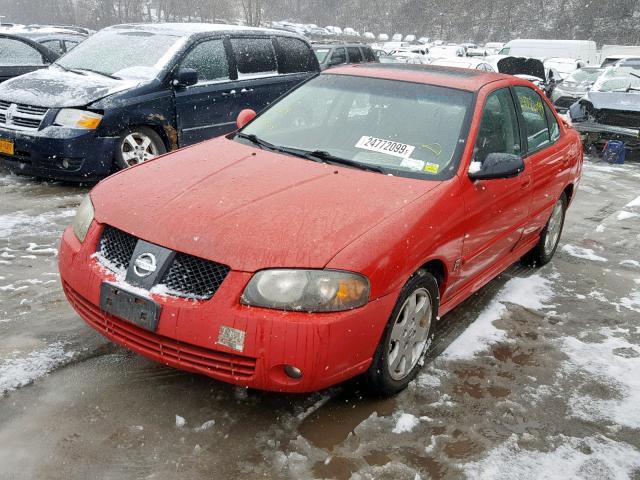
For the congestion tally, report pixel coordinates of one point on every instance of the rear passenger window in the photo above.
(294, 56)
(54, 45)
(339, 56)
(209, 59)
(354, 55)
(254, 56)
(535, 119)
(554, 128)
(69, 45)
(368, 54)
(499, 131)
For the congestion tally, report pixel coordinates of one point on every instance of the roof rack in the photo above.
(336, 42)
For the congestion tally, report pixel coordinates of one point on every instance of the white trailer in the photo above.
(584, 50)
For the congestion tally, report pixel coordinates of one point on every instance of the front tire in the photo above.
(546, 247)
(137, 145)
(406, 338)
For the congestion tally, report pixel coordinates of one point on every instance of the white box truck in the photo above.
(584, 50)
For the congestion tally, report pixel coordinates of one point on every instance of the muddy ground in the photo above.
(538, 374)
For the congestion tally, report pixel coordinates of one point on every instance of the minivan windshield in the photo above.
(136, 55)
(397, 127)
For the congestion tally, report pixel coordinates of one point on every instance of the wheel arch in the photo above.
(569, 190)
(438, 269)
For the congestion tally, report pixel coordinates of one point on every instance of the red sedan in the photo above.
(325, 238)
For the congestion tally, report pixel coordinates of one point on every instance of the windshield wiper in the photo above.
(256, 141)
(329, 158)
(95, 71)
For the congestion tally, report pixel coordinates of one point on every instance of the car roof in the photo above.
(339, 45)
(46, 35)
(188, 29)
(459, 78)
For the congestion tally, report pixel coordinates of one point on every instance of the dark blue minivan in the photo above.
(131, 92)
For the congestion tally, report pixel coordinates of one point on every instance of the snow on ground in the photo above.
(634, 203)
(588, 458)
(406, 423)
(585, 253)
(15, 223)
(18, 371)
(624, 215)
(530, 292)
(614, 362)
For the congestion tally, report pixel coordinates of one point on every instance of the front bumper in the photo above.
(59, 154)
(608, 132)
(327, 348)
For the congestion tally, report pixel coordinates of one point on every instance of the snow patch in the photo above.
(180, 421)
(531, 292)
(624, 215)
(16, 372)
(406, 423)
(591, 457)
(585, 253)
(634, 203)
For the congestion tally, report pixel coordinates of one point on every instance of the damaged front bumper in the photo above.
(593, 127)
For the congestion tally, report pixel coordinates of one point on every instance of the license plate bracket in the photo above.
(128, 306)
(7, 147)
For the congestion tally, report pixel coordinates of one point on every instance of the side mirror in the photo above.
(244, 117)
(497, 165)
(185, 78)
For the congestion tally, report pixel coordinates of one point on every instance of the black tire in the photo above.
(378, 378)
(125, 146)
(540, 255)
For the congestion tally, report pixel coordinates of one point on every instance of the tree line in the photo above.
(605, 21)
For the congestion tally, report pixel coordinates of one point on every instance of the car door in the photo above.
(209, 108)
(497, 210)
(296, 63)
(18, 57)
(338, 57)
(547, 152)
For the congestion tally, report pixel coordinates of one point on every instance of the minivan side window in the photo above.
(499, 132)
(535, 119)
(338, 57)
(15, 52)
(294, 56)
(209, 59)
(354, 55)
(254, 56)
(53, 45)
(368, 54)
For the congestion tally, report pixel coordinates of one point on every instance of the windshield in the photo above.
(618, 79)
(583, 76)
(322, 53)
(404, 128)
(123, 54)
(562, 67)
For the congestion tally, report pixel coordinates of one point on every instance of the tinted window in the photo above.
(354, 55)
(535, 119)
(554, 128)
(368, 54)
(15, 52)
(209, 59)
(339, 56)
(294, 56)
(254, 56)
(498, 131)
(321, 53)
(53, 45)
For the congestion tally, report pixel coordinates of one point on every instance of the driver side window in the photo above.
(209, 59)
(338, 57)
(498, 131)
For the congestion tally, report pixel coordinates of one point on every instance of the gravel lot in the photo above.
(537, 375)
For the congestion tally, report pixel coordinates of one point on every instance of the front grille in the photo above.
(116, 247)
(194, 277)
(187, 276)
(19, 116)
(174, 352)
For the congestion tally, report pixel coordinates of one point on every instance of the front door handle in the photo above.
(229, 94)
(246, 90)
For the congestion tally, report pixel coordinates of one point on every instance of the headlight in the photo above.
(73, 118)
(84, 217)
(307, 290)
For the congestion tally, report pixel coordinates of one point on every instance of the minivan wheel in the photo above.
(407, 336)
(546, 247)
(137, 145)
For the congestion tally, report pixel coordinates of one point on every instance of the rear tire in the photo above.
(546, 247)
(137, 145)
(407, 336)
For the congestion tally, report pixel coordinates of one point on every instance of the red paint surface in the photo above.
(252, 209)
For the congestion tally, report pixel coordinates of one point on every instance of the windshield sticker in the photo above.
(389, 147)
(412, 163)
(431, 168)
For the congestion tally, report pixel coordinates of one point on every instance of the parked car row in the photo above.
(103, 106)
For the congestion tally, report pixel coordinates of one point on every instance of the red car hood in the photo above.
(250, 208)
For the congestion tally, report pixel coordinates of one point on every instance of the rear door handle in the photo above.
(246, 90)
(229, 94)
